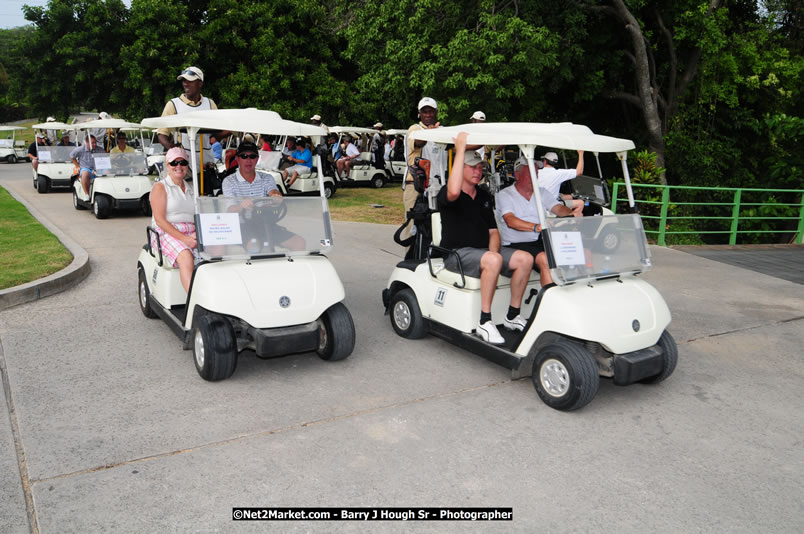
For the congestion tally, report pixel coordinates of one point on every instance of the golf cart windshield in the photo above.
(54, 154)
(240, 228)
(595, 247)
(124, 164)
(269, 161)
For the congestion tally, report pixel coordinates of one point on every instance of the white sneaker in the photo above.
(517, 323)
(488, 332)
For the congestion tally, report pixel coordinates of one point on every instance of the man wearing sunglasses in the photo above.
(247, 182)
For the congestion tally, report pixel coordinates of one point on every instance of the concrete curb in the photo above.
(56, 282)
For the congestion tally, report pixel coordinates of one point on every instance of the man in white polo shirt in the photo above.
(520, 220)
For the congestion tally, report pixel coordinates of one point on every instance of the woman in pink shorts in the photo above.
(173, 208)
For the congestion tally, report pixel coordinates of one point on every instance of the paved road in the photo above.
(111, 429)
(782, 261)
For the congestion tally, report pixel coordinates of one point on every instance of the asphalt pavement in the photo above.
(105, 425)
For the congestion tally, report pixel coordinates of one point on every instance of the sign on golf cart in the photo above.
(597, 318)
(264, 283)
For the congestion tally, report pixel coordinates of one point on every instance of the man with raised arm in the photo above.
(469, 228)
(550, 179)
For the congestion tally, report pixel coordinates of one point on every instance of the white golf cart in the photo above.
(395, 169)
(12, 149)
(362, 171)
(55, 168)
(597, 319)
(306, 183)
(121, 180)
(264, 282)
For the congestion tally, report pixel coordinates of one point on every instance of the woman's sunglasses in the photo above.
(182, 162)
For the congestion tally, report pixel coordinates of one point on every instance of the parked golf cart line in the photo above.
(362, 171)
(12, 149)
(55, 168)
(250, 293)
(395, 169)
(597, 319)
(121, 180)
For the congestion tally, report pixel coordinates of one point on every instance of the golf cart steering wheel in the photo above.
(274, 207)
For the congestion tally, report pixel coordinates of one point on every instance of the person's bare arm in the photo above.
(579, 167)
(158, 199)
(515, 223)
(455, 180)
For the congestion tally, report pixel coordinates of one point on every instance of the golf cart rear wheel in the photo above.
(669, 358)
(76, 205)
(12, 158)
(565, 376)
(144, 293)
(336, 333)
(42, 184)
(406, 317)
(101, 206)
(214, 348)
(378, 181)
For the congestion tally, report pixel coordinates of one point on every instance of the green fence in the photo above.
(743, 215)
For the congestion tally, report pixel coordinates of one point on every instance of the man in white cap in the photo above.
(315, 120)
(192, 80)
(551, 179)
(378, 147)
(428, 118)
(478, 116)
(470, 230)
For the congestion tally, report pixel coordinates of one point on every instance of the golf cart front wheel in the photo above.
(406, 317)
(42, 184)
(12, 158)
(669, 358)
(144, 293)
(336, 333)
(565, 376)
(329, 190)
(145, 205)
(76, 204)
(214, 348)
(101, 206)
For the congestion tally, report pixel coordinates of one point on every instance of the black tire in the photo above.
(378, 181)
(406, 316)
(145, 205)
(143, 293)
(329, 189)
(42, 185)
(76, 205)
(565, 376)
(336, 333)
(669, 358)
(101, 206)
(609, 239)
(12, 158)
(214, 348)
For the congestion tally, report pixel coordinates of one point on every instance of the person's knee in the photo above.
(521, 260)
(491, 261)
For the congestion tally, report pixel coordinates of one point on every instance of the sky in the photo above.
(11, 11)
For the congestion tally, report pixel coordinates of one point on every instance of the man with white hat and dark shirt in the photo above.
(315, 120)
(479, 116)
(378, 147)
(550, 179)
(469, 228)
(192, 80)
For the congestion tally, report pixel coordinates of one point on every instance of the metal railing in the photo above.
(686, 210)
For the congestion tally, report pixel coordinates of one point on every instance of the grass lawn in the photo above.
(355, 204)
(27, 249)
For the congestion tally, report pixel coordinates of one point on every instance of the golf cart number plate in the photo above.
(440, 295)
(220, 229)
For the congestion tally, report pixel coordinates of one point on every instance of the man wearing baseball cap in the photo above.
(192, 80)
(428, 118)
(551, 179)
(378, 147)
(470, 230)
(478, 116)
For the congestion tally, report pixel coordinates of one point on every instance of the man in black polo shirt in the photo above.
(469, 227)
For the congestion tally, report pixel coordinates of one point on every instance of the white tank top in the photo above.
(181, 107)
(180, 206)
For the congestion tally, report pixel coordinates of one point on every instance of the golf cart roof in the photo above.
(351, 129)
(241, 120)
(105, 123)
(9, 128)
(561, 135)
(396, 131)
(53, 126)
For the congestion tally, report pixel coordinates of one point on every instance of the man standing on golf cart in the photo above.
(247, 182)
(551, 179)
(378, 147)
(520, 220)
(470, 230)
(82, 158)
(192, 80)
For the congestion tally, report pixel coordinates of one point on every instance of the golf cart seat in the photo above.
(364, 160)
(455, 279)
